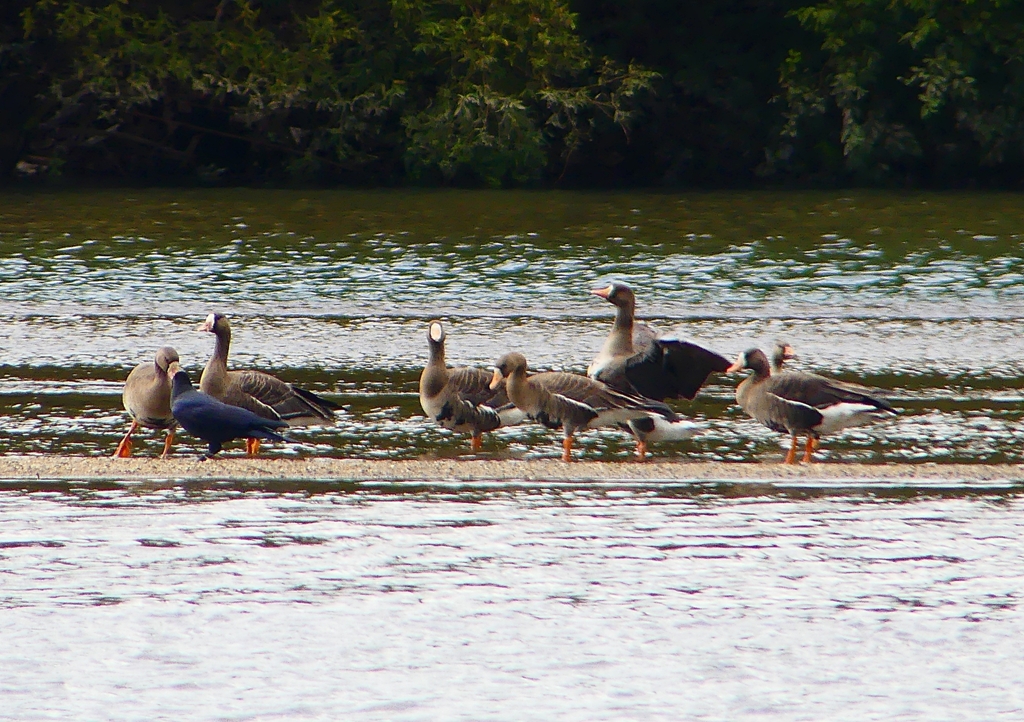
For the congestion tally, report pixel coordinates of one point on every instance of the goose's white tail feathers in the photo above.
(846, 415)
(510, 416)
(679, 430)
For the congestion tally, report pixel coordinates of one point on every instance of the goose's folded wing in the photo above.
(473, 385)
(287, 401)
(236, 395)
(571, 391)
(819, 391)
(672, 369)
(785, 414)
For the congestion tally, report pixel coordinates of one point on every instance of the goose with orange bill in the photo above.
(798, 403)
(635, 359)
(570, 401)
(147, 399)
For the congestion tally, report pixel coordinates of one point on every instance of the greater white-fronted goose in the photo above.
(636, 360)
(781, 353)
(461, 398)
(800, 403)
(147, 399)
(259, 392)
(570, 401)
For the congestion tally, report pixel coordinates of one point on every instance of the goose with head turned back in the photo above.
(797, 403)
(460, 398)
(147, 398)
(636, 360)
(259, 392)
(570, 401)
(781, 353)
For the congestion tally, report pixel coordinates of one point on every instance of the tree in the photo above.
(362, 90)
(921, 91)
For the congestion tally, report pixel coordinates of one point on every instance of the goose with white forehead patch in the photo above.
(147, 398)
(570, 401)
(259, 392)
(636, 360)
(461, 398)
(797, 403)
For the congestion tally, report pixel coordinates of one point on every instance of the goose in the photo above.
(460, 398)
(781, 353)
(636, 360)
(147, 399)
(214, 421)
(570, 401)
(259, 392)
(800, 403)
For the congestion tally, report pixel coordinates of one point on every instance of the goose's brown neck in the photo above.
(435, 374)
(215, 374)
(521, 392)
(620, 340)
(436, 357)
(220, 350)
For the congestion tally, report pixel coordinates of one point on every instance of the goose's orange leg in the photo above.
(791, 456)
(477, 442)
(167, 443)
(567, 449)
(124, 449)
(252, 447)
(809, 449)
(641, 449)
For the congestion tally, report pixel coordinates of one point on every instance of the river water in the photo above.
(917, 294)
(510, 602)
(425, 600)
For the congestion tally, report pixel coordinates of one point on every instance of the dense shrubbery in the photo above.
(509, 92)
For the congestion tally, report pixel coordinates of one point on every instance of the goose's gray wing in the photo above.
(473, 385)
(820, 391)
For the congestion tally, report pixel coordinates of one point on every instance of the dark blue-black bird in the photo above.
(214, 421)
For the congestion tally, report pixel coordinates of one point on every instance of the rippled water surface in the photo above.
(509, 601)
(422, 601)
(920, 295)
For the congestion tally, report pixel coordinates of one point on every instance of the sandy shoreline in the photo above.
(101, 468)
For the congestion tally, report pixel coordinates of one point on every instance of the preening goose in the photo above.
(636, 360)
(461, 398)
(147, 399)
(799, 403)
(214, 421)
(259, 392)
(570, 401)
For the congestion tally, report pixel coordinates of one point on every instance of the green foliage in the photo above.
(513, 92)
(514, 81)
(917, 87)
(497, 86)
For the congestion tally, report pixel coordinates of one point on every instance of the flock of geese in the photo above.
(626, 386)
